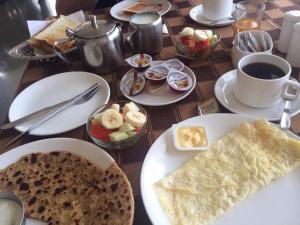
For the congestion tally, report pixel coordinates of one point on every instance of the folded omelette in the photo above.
(236, 166)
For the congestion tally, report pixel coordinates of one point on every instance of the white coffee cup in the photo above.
(263, 93)
(217, 9)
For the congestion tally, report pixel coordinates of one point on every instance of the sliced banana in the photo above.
(200, 35)
(115, 107)
(187, 31)
(136, 119)
(111, 119)
(97, 118)
(209, 33)
(130, 107)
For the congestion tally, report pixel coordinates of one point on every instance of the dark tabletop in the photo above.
(161, 118)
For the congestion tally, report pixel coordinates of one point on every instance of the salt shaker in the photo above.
(289, 19)
(293, 55)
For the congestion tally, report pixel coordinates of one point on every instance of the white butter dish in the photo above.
(190, 134)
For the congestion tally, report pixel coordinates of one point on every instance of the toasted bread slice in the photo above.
(53, 32)
(142, 6)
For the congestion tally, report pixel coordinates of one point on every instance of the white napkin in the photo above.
(34, 26)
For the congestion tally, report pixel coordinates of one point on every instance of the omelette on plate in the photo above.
(236, 166)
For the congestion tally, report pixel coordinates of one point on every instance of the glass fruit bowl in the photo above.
(118, 136)
(196, 52)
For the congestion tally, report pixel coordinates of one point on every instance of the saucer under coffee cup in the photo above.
(262, 80)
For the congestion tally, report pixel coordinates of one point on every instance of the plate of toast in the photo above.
(40, 46)
(125, 9)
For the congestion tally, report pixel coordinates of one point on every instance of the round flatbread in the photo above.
(66, 189)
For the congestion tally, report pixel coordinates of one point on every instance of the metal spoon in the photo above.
(216, 21)
(285, 121)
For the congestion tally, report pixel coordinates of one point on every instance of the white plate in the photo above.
(225, 95)
(52, 90)
(163, 95)
(82, 148)
(117, 10)
(196, 15)
(276, 204)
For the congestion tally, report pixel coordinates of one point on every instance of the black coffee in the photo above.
(263, 71)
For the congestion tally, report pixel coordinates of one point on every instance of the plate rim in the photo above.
(46, 143)
(230, 75)
(187, 93)
(218, 24)
(124, 3)
(163, 136)
(45, 80)
(13, 53)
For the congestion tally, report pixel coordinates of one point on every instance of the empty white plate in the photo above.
(55, 89)
(225, 95)
(196, 14)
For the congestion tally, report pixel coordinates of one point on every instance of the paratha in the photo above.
(65, 189)
(235, 167)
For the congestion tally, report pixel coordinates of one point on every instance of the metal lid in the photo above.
(95, 28)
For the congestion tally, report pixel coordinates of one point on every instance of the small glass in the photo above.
(248, 15)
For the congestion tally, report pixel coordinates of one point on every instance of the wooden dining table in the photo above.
(161, 118)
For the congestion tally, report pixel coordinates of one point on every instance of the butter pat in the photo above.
(189, 137)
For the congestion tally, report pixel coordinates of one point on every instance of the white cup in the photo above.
(217, 9)
(262, 93)
(237, 53)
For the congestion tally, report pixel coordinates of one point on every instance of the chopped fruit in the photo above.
(191, 43)
(209, 33)
(202, 44)
(130, 107)
(137, 129)
(187, 31)
(113, 125)
(111, 119)
(115, 107)
(97, 118)
(99, 132)
(131, 133)
(136, 119)
(126, 127)
(197, 41)
(200, 35)
(185, 40)
(118, 136)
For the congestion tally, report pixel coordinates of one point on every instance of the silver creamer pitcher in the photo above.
(100, 43)
(146, 35)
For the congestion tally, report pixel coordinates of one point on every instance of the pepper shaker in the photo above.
(290, 18)
(293, 55)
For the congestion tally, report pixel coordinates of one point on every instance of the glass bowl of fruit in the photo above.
(117, 126)
(196, 44)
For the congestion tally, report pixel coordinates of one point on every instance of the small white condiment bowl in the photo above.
(176, 75)
(158, 69)
(133, 61)
(237, 53)
(11, 196)
(180, 148)
(174, 64)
